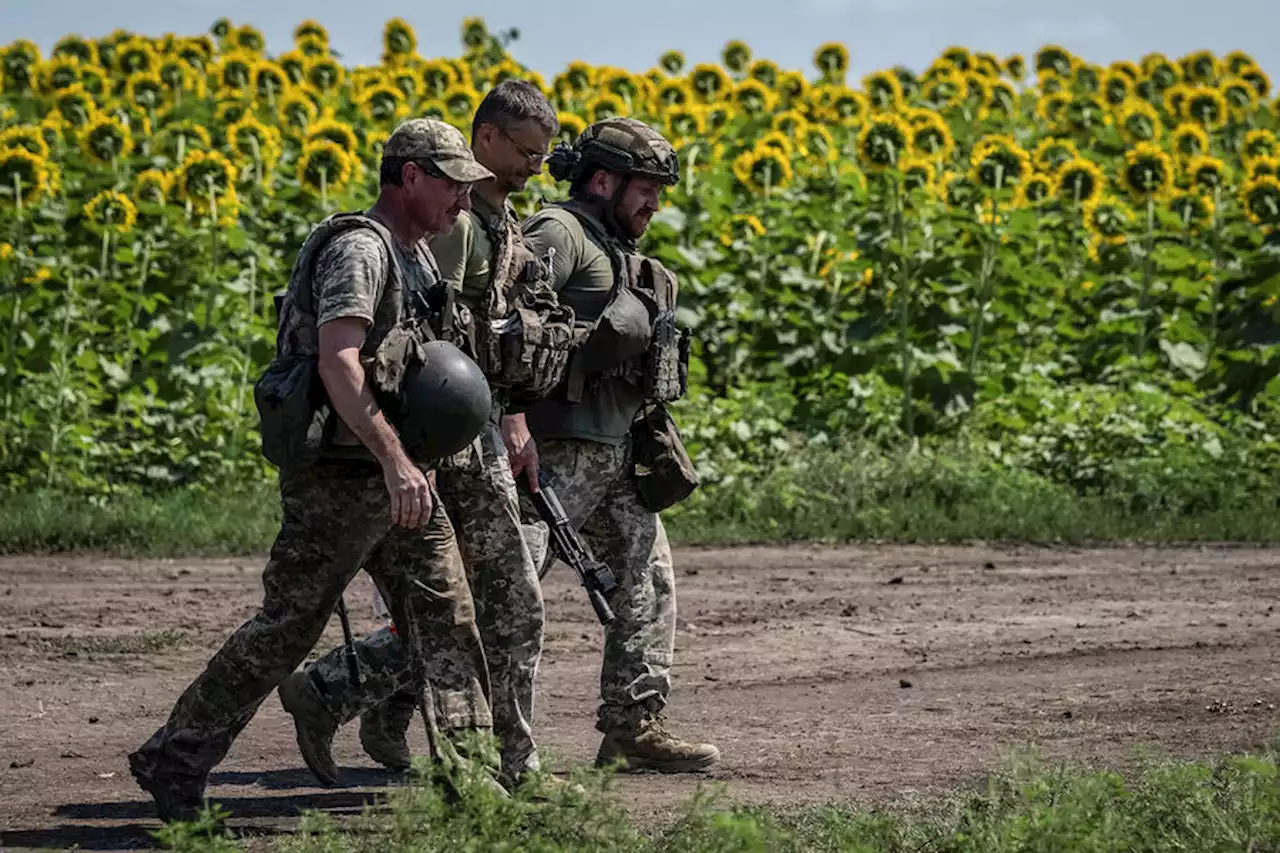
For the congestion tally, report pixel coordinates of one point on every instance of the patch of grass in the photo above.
(855, 492)
(146, 643)
(1232, 804)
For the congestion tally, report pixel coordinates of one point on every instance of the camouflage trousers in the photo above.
(336, 518)
(593, 482)
(479, 495)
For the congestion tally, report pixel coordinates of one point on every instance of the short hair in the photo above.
(512, 102)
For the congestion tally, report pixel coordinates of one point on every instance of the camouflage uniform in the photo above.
(480, 496)
(336, 517)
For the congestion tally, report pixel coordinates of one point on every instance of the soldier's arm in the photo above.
(544, 234)
(453, 251)
(349, 281)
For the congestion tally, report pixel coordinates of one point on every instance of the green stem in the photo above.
(984, 286)
(61, 382)
(1143, 324)
(135, 316)
(904, 314)
(1212, 344)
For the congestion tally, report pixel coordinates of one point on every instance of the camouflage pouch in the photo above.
(293, 411)
(661, 468)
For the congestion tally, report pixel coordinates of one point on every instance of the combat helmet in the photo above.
(442, 404)
(619, 144)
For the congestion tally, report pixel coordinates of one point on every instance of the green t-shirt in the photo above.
(582, 276)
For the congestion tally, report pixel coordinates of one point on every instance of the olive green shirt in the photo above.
(465, 254)
(582, 276)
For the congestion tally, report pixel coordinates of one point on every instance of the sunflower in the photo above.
(297, 112)
(179, 77)
(945, 89)
(20, 168)
(1201, 67)
(1139, 121)
(932, 137)
(59, 73)
(1260, 198)
(763, 169)
(437, 76)
(883, 90)
(76, 47)
(672, 61)
(919, 174)
(192, 52)
(847, 107)
(398, 40)
(311, 46)
(146, 90)
(1263, 165)
(685, 122)
(1205, 105)
(325, 74)
(709, 82)
(25, 136)
(1002, 98)
(1086, 112)
(152, 186)
(1088, 78)
(461, 100)
(176, 140)
(1127, 69)
(603, 106)
(333, 130)
(222, 28)
(136, 55)
(1148, 172)
(383, 104)
(571, 125)
(792, 87)
(234, 71)
(1206, 173)
(105, 138)
(1036, 190)
(1051, 83)
(778, 140)
(674, 93)
(790, 123)
(1117, 87)
(324, 166)
(1162, 72)
(405, 79)
(1051, 57)
(269, 80)
(717, 115)
(110, 212)
(1257, 143)
(625, 85)
(977, 88)
(818, 140)
(474, 32)
(202, 175)
(736, 55)
(503, 71)
(1258, 79)
(1015, 66)
(884, 140)
(248, 39)
(1051, 153)
(1108, 219)
(998, 162)
(95, 79)
(1080, 181)
(76, 105)
(311, 28)
(832, 60)
(1190, 140)
(254, 140)
(987, 64)
(1241, 97)
(1194, 209)
(764, 70)
(753, 97)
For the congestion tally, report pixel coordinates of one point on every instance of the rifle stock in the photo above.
(569, 547)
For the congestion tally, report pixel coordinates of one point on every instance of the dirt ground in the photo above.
(865, 675)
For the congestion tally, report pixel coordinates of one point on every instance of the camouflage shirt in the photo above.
(351, 277)
(582, 276)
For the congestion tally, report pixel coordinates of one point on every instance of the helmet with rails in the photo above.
(443, 403)
(619, 144)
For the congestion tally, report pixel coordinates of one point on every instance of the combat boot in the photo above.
(647, 745)
(176, 799)
(314, 724)
(382, 734)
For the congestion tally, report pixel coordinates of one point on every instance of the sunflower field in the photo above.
(1056, 262)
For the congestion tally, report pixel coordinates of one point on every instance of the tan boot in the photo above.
(649, 746)
(382, 734)
(314, 725)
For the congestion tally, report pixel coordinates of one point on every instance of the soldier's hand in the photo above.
(410, 493)
(522, 450)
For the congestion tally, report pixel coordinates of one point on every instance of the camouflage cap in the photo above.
(441, 143)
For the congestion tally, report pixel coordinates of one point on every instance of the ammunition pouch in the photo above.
(661, 468)
(293, 410)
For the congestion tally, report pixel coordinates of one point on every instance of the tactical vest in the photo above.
(636, 337)
(524, 335)
(298, 422)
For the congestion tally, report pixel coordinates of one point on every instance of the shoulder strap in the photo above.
(323, 233)
(593, 228)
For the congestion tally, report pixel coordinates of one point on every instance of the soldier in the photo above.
(618, 168)
(353, 315)
(493, 276)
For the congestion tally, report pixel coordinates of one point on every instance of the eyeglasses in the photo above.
(530, 155)
(458, 188)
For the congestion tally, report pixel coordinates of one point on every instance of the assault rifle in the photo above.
(569, 547)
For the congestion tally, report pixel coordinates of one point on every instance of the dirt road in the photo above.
(859, 674)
